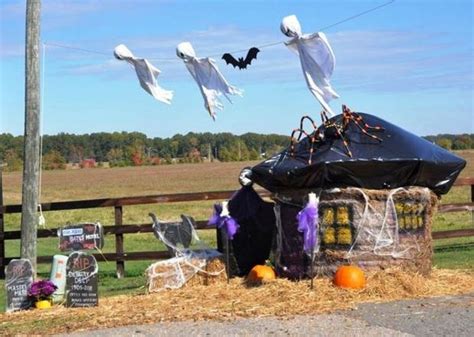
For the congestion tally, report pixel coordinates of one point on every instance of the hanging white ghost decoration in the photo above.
(208, 77)
(146, 74)
(316, 57)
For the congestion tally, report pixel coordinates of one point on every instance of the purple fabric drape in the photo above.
(308, 225)
(228, 222)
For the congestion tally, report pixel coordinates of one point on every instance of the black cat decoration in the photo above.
(241, 62)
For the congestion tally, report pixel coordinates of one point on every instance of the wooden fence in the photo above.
(119, 229)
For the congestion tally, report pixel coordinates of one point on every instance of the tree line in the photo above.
(453, 142)
(135, 148)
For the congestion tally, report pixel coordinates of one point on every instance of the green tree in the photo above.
(224, 154)
(273, 150)
(445, 143)
(174, 147)
(462, 142)
(115, 157)
(13, 161)
(254, 155)
(53, 160)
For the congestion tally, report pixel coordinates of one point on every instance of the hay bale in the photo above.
(168, 274)
(212, 273)
(374, 229)
(197, 268)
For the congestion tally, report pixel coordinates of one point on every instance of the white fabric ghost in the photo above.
(316, 57)
(208, 77)
(146, 74)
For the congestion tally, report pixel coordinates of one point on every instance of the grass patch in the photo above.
(455, 259)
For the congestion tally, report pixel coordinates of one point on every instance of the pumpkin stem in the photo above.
(269, 263)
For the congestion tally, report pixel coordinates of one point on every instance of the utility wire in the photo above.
(319, 30)
(235, 51)
(76, 48)
(245, 50)
(357, 15)
(98, 52)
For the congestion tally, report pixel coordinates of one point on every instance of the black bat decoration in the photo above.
(241, 62)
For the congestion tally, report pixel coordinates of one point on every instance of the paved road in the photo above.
(446, 316)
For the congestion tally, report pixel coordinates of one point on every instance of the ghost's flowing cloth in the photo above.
(208, 77)
(146, 74)
(316, 57)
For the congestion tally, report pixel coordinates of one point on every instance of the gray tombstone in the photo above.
(174, 235)
(18, 278)
(82, 280)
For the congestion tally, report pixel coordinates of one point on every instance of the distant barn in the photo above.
(88, 163)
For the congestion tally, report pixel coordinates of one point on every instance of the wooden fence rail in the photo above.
(119, 229)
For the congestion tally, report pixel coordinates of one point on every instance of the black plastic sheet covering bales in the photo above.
(401, 159)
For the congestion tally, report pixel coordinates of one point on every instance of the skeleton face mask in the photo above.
(245, 177)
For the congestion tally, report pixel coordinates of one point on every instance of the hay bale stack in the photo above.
(195, 269)
(374, 229)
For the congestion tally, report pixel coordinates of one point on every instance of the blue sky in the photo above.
(410, 63)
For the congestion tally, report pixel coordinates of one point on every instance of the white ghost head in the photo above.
(121, 52)
(185, 51)
(290, 26)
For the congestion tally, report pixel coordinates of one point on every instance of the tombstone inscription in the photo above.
(18, 278)
(81, 280)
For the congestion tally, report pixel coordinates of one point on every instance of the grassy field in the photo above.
(135, 181)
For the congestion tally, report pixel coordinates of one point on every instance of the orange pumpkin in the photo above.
(261, 273)
(349, 277)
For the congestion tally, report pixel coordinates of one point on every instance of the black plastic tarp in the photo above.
(400, 159)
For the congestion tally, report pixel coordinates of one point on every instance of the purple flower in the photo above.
(42, 289)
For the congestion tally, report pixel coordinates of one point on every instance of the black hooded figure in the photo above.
(253, 241)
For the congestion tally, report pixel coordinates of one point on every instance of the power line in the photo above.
(271, 44)
(319, 30)
(357, 15)
(76, 48)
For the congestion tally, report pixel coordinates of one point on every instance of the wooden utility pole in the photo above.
(2, 228)
(31, 157)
